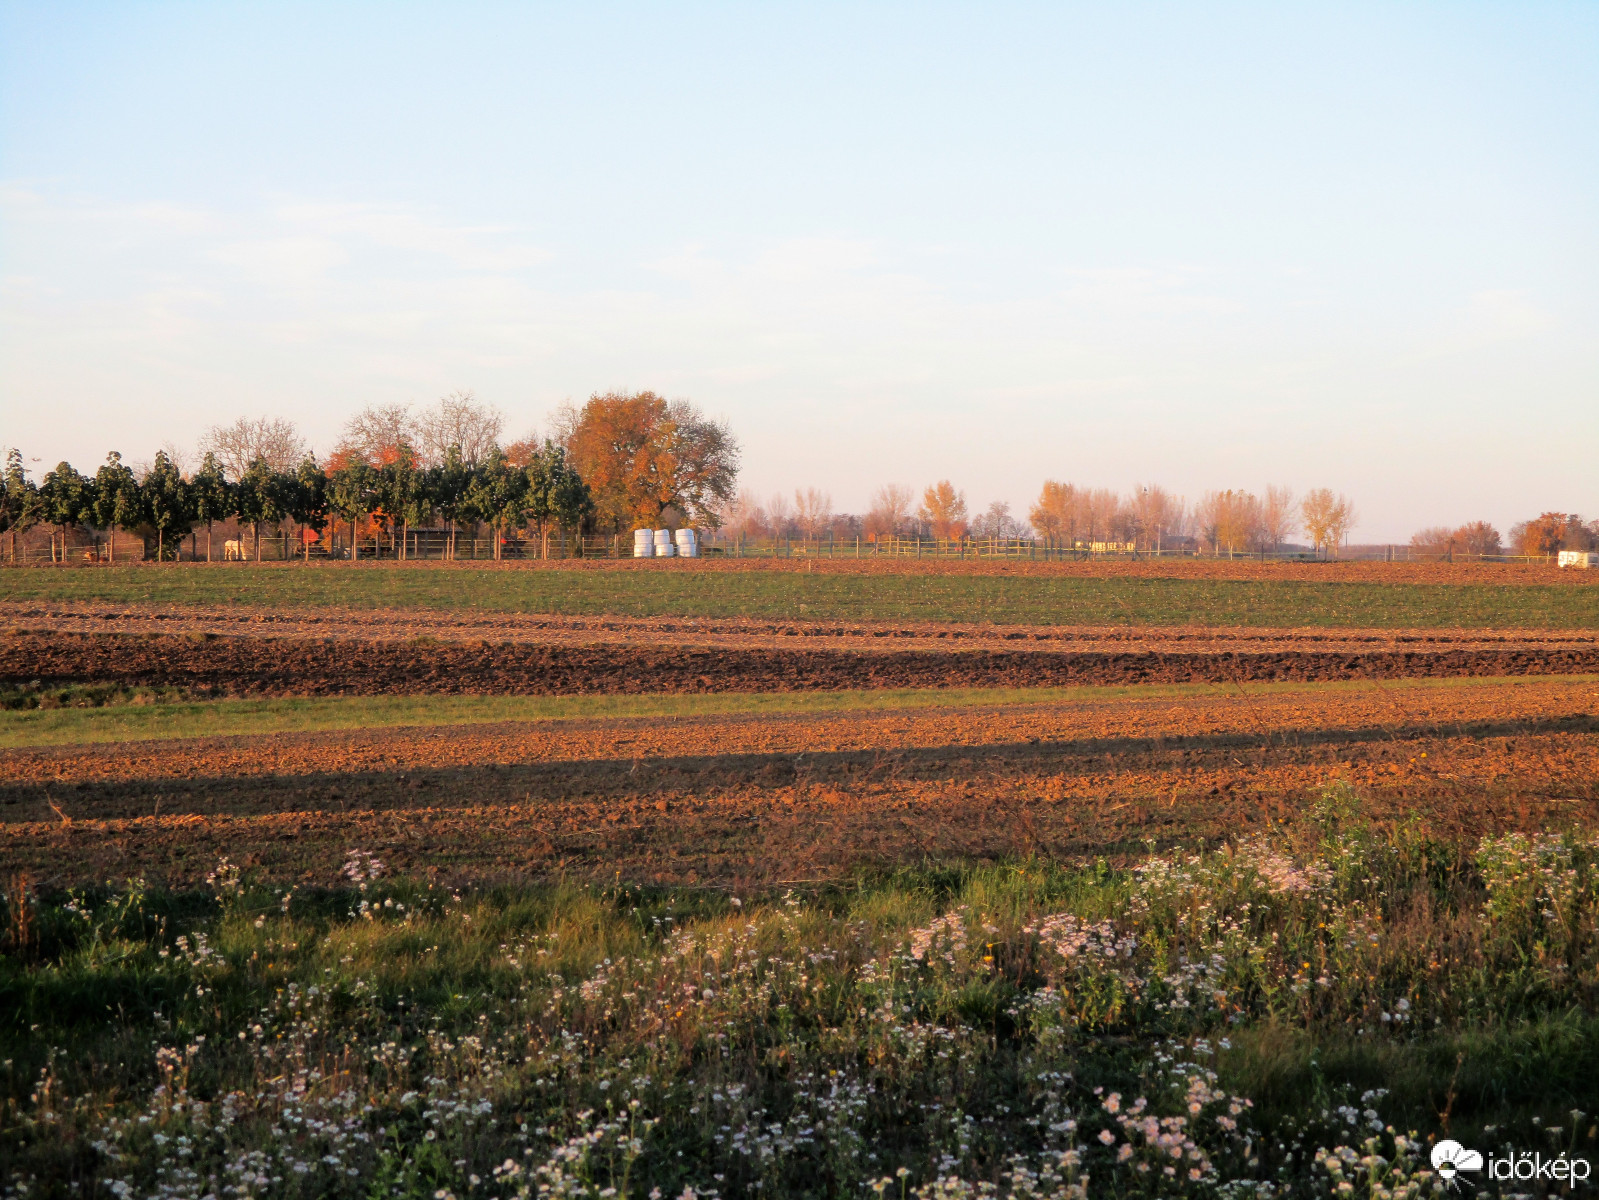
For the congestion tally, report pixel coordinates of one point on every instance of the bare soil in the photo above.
(420, 625)
(248, 666)
(765, 800)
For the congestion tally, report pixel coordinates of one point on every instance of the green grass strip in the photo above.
(686, 591)
(223, 718)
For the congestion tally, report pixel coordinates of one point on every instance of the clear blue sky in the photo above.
(1199, 245)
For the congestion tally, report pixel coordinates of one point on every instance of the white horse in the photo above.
(232, 549)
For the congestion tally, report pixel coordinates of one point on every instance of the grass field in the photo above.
(136, 718)
(1296, 1014)
(943, 595)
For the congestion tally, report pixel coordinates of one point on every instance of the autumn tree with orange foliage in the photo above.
(1552, 532)
(641, 454)
(1231, 520)
(944, 510)
(380, 434)
(1055, 513)
(1327, 517)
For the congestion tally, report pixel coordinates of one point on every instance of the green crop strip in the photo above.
(789, 595)
(141, 719)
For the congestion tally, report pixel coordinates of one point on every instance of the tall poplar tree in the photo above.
(20, 506)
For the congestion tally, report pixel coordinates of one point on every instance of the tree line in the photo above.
(382, 499)
(1543, 535)
(617, 461)
(1065, 515)
(623, 460)
(1149, 517)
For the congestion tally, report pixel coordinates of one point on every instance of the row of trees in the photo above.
(387, 498)
(642, 458)
(1065, 514)
(628, 459)
(1475, 537)
(1546, 534)
(1552, 532)
(1233, 520)
(377, 434)
(942, 513)
(114, 498)
(622, 459)
(1148, 518)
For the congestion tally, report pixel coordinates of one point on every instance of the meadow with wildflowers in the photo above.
(1295, 1013)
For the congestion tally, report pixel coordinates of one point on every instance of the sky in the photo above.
(1198, 245)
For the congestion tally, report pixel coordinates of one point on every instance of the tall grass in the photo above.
(1274, 1018)
(791, 595)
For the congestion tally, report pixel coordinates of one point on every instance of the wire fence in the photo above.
(422, 545)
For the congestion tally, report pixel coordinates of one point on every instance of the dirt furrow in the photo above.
(803, 824)
(769, 799)
(1088, 724)
(287, 666)
(410, 624)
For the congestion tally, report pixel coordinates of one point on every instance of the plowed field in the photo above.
(1511, 740)
(800, 797)
(420, 625)
(281, 666)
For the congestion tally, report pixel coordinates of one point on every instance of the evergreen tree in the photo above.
(556, 493)
(167, 503)
(446, 486)
(498, 494)
(350, 496)
(117, 502)
(263, 498)
(211, 496)
(571, 502)
(399, 493)
(310, 500)
(20, 506)
(66, 498)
